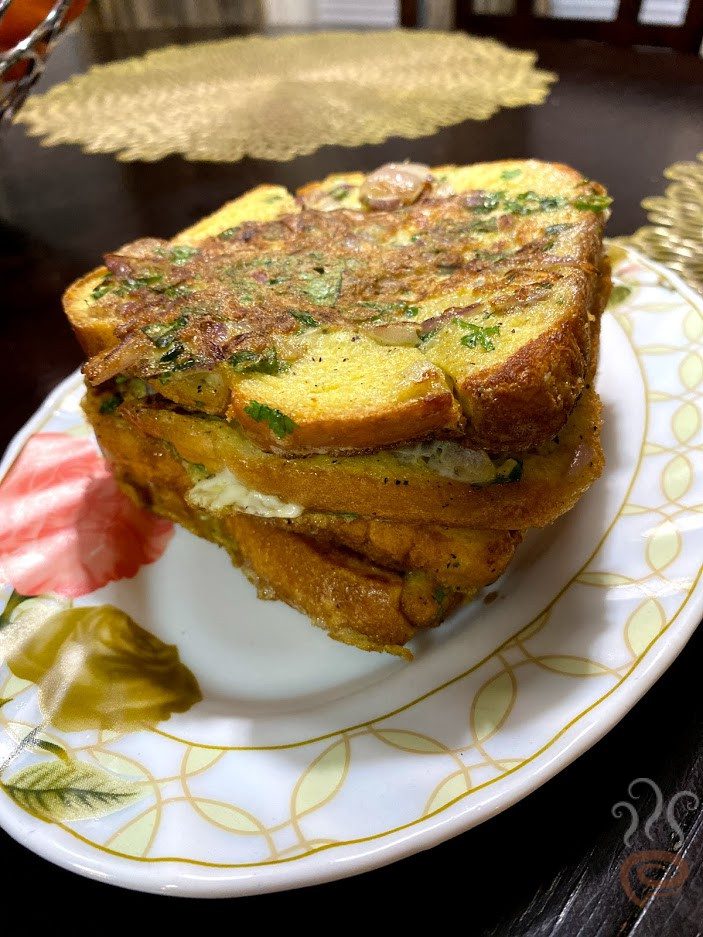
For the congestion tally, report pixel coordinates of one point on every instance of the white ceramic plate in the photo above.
(307, 760)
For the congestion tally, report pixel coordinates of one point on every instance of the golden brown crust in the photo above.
(94, 332)
(510, 404)
(327, 584)
(526, 400)
(454, 556)
(380, 486)
(380, 418)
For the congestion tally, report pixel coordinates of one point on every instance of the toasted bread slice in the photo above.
(310, 328)
(418, 485)
(356, 601)
(454, 558)
(96, 325)
(348, 592)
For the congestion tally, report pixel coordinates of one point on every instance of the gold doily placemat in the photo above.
(276, 98)
(675, 236)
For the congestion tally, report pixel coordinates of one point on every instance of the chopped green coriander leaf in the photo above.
(173, 353)
(105, 286)
(411, 311)
(426, 336)
(111, 403)
(276, 197)
(339, 192)
(181, 254)
(486, 201)
(323, 285)
(161, 333)
(196, 470)
(491, 255)
(592, 202)
(279, 424)
(247, 362)
(510, 174)
(526, 203)
(305, 319)
(553, 229)
(479, 336)
(487, 226)
(440, 594)
(176, 291)
(130, 284)
(138, 388)
(185, 365)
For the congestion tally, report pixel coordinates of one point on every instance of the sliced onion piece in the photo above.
(118, 360)
(395, 333)
(394, 185)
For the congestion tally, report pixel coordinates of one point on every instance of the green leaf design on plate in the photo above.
(228, 817)
(663, 545)
(322, 779)
(618, 295)
(46, 745)
(408, 741)
(605, 579)
(136, 836)
(572, 665)
(677, 477)
(451, 788)
(60, 791)
(691, 370)
(644, 625)
(686, 422)
(492, 705)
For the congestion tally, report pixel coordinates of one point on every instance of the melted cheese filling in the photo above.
(451, 460)
(224, 490)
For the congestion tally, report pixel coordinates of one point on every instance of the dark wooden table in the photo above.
(550, 865)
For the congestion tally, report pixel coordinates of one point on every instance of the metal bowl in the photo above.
(28, 57)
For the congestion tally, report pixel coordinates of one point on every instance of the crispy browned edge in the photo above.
(97, 332)
(456, 557)
(435, 411)
(526, 400)
(550, 485)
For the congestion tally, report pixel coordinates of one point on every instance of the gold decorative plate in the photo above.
(276, 98)
(163, 729)
(675, 233)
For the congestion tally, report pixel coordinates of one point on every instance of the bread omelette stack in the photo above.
(365, 393)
